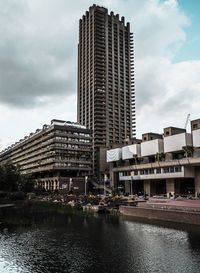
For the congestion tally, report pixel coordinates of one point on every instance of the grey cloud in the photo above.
(37, 61)
(180, 101)
(38, 46)
(22, 85)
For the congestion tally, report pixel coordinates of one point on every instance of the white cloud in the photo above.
(171, 91)
(16, 124)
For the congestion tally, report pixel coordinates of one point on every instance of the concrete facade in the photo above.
(171, 169)
(170, 183)
(197, 180)
(58, 156)
(106, 90)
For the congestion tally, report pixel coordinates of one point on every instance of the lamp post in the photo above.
(86, 180)
(131, 191)
(104, 184)
(70, 184)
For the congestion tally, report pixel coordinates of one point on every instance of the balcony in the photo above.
(152, 147)
(196, 138)
(114, 154)
(130, 151)
(176, 142)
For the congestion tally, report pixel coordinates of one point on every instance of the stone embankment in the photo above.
(180, 211)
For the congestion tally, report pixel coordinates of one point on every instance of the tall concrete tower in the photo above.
(106, 94)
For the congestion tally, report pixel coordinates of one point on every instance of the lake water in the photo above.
(77, 243)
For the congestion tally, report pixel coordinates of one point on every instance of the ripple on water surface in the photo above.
(78, 244)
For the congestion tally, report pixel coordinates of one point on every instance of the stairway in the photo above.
(101, 187)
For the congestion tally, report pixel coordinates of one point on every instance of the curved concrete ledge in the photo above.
(173, 215)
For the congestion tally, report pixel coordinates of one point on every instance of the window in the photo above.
(195, 126)
(166, 170)
(178, 169)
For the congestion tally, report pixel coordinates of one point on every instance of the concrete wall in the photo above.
(170, 187)
(189, 171)
(169, 131)
(152, 147)
(130, 151)
(177, 142)
(196, 138)
(114, 154)
(197, 180)
(147, 187)
(161, 214)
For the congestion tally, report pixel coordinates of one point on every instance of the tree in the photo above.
(26, 183)
(188, 151)
(2, 178)
(160, 157)
(11, 179)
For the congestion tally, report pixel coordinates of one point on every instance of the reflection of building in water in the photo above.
(59, 155)
(160, 164)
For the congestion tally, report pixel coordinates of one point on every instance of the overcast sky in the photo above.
(38, 62)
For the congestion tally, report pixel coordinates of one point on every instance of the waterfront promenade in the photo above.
(174, 204)
(180, 211)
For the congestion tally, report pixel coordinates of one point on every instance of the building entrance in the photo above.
(184, 186)
(158, 187)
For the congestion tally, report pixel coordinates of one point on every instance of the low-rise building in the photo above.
(166, 164)
(58, 156)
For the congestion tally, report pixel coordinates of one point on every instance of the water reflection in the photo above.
(56, 242)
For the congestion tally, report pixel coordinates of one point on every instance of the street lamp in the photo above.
(86, 180)
(131, 191)
(70, 184)
(104, 184)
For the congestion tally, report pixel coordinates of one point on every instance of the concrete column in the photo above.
(127, 187)
(170, 187)
(197, 180)
(147, 187)
(153, 187)
(112, 176)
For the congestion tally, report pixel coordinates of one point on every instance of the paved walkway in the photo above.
(183, 205)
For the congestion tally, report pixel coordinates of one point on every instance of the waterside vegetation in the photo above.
(14, 184)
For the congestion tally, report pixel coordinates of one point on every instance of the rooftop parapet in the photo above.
(152, 147)
(67, 123)
(175, 143)
(195, 127)
(151, 136)
(131, 151)
(170, 131)
(195, 124)
(114, 155)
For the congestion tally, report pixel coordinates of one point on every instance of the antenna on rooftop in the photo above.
(187, 120)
